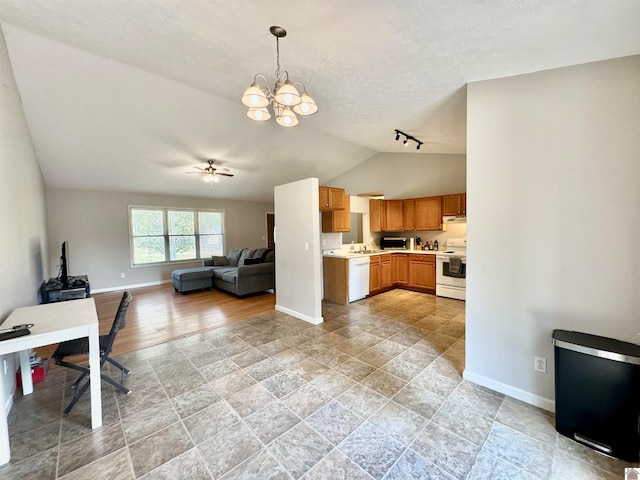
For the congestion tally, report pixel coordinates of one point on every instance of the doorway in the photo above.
(271, 224)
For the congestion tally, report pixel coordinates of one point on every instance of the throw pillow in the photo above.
(234, 256)
(251, 261)
(218, 261)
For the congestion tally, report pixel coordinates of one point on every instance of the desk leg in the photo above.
(25, 372)
(94, 375)
(5, 454)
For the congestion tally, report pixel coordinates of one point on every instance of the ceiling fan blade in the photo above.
(225, 174)
(199, 173)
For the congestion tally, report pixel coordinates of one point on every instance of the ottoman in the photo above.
(192, 279)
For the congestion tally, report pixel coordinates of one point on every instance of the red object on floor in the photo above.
(37, 374)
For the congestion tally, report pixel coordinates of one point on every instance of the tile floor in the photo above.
(374, 392)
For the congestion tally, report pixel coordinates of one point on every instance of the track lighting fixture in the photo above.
(407, 137)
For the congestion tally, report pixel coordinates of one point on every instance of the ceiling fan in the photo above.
(211, 174)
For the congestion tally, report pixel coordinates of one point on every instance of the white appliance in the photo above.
(358, 278)
(451, 270)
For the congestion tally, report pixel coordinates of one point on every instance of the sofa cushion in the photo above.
(234, 256)
(219, 261)
(221, 271)
(188, 274)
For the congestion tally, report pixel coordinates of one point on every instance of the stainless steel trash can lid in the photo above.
(597, 346)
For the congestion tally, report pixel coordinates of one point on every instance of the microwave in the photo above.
(394, 243)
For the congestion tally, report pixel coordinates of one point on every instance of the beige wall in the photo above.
(298, 254)
(406, 175)
(23, 240)
(554, 218)
(95, 225)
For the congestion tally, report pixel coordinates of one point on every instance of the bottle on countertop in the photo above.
(435, 245)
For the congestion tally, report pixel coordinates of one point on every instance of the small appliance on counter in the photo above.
(394, 243)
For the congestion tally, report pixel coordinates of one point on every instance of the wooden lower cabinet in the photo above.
(411, 271)
(380, 273)
(422, 272)
(399, 269)
(335, 279)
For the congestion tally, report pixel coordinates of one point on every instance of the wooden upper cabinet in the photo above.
(409, 215)
(331, 198)
(377, 215)
(455, 204)
(394, 215)
(338, 220)
(428, 213)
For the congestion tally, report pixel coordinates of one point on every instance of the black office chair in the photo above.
(80, 346)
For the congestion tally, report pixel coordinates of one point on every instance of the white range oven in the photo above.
(451, 270)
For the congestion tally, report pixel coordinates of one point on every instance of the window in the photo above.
(164, 235)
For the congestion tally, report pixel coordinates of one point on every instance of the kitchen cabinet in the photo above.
(335, 279)
(394, 215)
(428, 213)
(409, 215)
(331, 198)
(399, 269)
(377, 215)
(455, 204)
(422, 272)
(338, 220)
(379, 273)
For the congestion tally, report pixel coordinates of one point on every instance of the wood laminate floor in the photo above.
(159, 314)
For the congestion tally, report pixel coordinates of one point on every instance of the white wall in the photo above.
(95, 225)
(406, 175)
(554, 218)
(23, 240)
(298, 254)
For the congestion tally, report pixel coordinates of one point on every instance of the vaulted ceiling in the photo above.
(128, 95)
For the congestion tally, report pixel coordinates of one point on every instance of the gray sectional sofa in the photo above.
(242, 272)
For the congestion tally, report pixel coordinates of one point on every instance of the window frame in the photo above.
(166, 235)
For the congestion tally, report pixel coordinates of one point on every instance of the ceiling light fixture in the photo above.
(285, 100)
(408, 137)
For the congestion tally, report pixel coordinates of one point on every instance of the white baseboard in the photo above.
(128, 287)
(301, 316)
(511, 391)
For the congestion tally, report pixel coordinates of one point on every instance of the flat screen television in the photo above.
(64, 265)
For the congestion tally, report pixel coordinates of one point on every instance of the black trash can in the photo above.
(598, 392)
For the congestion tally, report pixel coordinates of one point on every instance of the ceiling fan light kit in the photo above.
(285, 99)
(408, 137)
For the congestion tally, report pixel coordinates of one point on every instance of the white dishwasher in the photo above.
(358, 278)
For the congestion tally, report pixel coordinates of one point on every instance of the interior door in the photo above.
(271, 223)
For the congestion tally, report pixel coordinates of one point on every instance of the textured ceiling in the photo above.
(129, 94)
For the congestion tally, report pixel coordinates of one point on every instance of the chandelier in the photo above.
(285, 99)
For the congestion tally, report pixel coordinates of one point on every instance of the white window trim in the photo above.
(166, 235)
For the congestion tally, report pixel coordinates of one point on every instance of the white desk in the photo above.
(52, 323)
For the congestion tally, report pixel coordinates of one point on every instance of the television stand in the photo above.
(56, 291)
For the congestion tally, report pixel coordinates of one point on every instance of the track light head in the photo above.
(418, 146)
(406, 141)
(397, 135)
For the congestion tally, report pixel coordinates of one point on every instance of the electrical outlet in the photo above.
(122, 275)
(540, 364)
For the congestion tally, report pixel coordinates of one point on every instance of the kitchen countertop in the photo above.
(342, 254)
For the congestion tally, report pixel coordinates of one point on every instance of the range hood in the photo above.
(449, 219)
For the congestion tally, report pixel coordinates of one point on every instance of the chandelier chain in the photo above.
(278, 59)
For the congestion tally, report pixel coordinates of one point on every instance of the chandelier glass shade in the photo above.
(285, 99)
